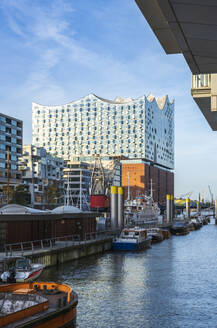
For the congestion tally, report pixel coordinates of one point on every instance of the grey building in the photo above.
(40, 170)
(11, 139)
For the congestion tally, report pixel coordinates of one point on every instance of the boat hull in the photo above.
(126, 246)
(179, 231)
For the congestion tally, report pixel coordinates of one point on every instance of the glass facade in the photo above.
(134, 128)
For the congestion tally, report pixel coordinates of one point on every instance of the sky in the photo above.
(56, 51)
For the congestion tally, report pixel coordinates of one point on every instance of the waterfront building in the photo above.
(77, 179)
(134, 128)
(140, 176)
(11, 140)
(40, 170)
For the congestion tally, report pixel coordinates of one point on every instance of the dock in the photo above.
(55, 251)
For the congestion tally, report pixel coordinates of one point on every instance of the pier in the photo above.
(55, 251)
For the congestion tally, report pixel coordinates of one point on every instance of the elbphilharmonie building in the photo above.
(141, 128)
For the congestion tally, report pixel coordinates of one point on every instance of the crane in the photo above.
(211, 194)
(188, 194)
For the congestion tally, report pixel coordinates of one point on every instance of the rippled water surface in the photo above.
(173, 284)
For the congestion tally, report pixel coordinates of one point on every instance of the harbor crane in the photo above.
(211, 194)
(188, 194)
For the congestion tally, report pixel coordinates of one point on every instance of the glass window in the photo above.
(2, 128)
(14, 123)
(3, 119)
(2, 165)
(2, 147)
(14, 149)
(2, 137)
(2, 155)
(14, 140)
(13, 167)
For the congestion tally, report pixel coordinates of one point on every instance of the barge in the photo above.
(39, 305)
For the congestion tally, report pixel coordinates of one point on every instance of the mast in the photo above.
(8, 176)
(66, 200)
(80, 189)
(151, 189)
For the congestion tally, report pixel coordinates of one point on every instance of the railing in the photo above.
(56, 242)
(201, 81)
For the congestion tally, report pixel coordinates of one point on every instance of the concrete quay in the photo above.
(63, 251)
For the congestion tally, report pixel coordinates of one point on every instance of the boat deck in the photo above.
(57, 304)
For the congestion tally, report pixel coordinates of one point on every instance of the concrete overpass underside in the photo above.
(185, 26)
(189, 27)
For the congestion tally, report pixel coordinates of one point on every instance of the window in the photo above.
(2, 137)
(2, 128)
(2, 147)
(2, 118)
(14, 140)
(14, 149)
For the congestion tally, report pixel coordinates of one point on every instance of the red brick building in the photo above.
(141, 174)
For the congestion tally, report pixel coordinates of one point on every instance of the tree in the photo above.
(51, 193)
(21, 196)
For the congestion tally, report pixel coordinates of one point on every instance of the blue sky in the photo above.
(56, 51)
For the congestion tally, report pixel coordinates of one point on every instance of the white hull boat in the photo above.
(20, 269)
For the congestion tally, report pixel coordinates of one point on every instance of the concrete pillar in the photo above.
(171, 207)
(114, 207)
(168, 206)
(198, 207)
(187, 207)
(120, 208)
(216, 211)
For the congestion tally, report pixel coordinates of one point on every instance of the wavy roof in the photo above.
(161, 101)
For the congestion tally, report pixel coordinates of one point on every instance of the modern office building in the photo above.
(134, 128)
(11, 139)
(41, 170)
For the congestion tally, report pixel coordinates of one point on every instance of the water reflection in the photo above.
(170, 285)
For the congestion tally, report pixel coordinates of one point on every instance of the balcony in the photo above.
(204, 92)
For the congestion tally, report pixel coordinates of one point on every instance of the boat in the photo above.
(38, 304)
(179, 228)
(191, 225)
(156, 235)
(132, 239)
(20, 269)
(196, 223)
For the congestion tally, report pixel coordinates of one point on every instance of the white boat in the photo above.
(132, 239)
(20, 269)
(142, 210)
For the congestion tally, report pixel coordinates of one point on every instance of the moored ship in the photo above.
(132, 239)
(20, 269)
(179, 228)
(39, 304)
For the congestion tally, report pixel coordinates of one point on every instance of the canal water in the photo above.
(173, 284)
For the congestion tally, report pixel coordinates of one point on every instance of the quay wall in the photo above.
(54, 257)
